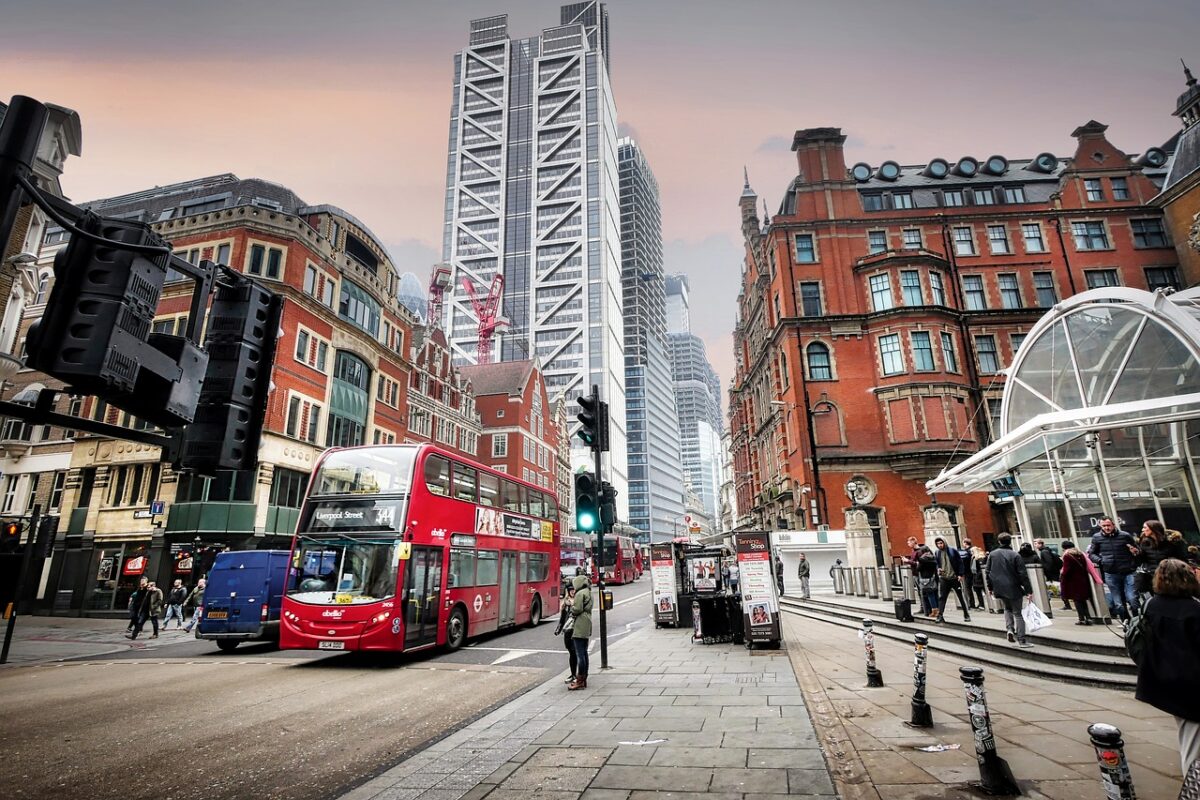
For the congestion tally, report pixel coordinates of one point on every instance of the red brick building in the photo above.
(880, 306)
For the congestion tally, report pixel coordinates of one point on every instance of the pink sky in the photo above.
(349, 104)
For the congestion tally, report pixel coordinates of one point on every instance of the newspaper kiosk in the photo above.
(759, 600)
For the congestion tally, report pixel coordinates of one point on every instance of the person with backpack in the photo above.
(581, 630)
(175, 600)
(566, 621)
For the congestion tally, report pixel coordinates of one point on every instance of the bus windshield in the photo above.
(365, 470)
(338, 569)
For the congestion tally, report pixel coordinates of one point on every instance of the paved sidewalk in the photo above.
(1040, 725)
(672, 721)
(40, 640)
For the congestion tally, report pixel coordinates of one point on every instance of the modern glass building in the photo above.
(655, 471)
(532, 196)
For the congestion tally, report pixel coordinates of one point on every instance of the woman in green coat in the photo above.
(581, 608)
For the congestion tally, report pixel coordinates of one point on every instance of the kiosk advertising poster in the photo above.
(760, 604)
(662, 581)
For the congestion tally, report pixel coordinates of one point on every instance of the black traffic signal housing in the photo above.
(593, 419)
(608, 505)
(47, 532)
(10, 535)
(587, 502)
(243, 327)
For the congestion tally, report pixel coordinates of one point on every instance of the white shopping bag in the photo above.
(1035, 620)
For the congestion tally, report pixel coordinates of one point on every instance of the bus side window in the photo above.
(510, 496)
(551, 508)
(489, 490)
(534, 567)
(486, 571)
(437, 475)
(462, 568)
(537, 506)
(465, 480)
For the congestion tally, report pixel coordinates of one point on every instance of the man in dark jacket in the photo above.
(1115, 551)
(803, 572)
(950, 572)
(1010, 584)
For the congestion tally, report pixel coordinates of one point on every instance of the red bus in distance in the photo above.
(619, 565)
(405, 547)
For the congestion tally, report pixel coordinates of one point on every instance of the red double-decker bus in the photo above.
(574, 555)
(403, 547)
(618, 559)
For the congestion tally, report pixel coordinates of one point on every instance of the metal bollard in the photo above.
(874, 676)
(1041, 593)
(990, 602)
(852, 585)
(860, 582)
(1110, 755)
(872, 583)
(834, 573)
(909, 586)
(995, 777)
(885, 585)
(922, 713)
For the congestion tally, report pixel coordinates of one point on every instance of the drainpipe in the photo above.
(982, 429)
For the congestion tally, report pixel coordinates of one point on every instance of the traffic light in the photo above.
(46, 534)
(10, 536)
(587, 503)
(243, 326)
(593, 419)
(608, 505)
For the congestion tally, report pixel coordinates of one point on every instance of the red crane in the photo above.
(487, 310)
(438, 283)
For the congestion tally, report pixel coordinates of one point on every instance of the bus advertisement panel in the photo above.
(401, 547)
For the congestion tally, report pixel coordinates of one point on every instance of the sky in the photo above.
(348, 103)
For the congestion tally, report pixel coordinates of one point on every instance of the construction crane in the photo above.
(438, 284)
(487, 310)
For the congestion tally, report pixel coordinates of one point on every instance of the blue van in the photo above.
(243, 597)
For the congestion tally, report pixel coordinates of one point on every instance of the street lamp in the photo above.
(852, 489)
(822, 406)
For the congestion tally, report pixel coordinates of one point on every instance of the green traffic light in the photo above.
(586, 521)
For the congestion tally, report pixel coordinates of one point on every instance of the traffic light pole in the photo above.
(600, 559)
(20, 134)
(26, 557)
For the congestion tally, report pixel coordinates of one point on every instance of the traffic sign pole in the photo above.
(26, 557)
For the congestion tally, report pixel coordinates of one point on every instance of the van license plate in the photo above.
(216, 615)
(331, 645)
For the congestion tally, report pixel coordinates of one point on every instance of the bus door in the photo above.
(508, 588)
(422, 596)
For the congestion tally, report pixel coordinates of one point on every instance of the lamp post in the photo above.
(818, 512)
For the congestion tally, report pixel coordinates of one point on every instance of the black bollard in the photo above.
(874, 676)
(995, 777)
(1110, 755)
(922, 714)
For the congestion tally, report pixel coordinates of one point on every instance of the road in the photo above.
(186, 720)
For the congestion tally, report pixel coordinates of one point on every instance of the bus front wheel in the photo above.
(456, 629)
(535, 613)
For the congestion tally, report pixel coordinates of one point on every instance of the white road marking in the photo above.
(630, 599)
(516, 649)
(513, 655)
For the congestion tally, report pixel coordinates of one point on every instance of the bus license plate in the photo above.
(331, 645)
(216, 615)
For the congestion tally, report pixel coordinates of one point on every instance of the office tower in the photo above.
(531, 197)
(655, 474)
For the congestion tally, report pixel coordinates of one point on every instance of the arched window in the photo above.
(819, 366)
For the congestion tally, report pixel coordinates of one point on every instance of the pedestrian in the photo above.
(1076, 577)
(1168, 676)
(978, 562)
(1009, 581)
(1115, 551)
(949, 571)
(779, 573)
(150, 607)
(175, 600)
(196, 600)
(803, 573)
(967, 556)
(1027, 554)
(566, 621)
(134, 608)
(581, 630)
(927, 581)
(1154, 548)
(735, 576)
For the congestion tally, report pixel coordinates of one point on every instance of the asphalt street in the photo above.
(186, 720)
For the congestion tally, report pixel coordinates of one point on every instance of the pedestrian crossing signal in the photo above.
(10, 536)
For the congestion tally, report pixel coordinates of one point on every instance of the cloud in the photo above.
(625, 129)
(775, 144)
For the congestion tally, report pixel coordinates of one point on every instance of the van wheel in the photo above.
(456, 629)
(227, 645)
(535, 613)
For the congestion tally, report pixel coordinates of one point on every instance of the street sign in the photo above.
(156, 508)
(142, 513)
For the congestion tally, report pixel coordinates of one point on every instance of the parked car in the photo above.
(243, 597)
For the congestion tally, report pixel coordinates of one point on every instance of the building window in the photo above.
(499, 445)
(1101, 278)
(1010, 291)
(953, 197)
(320, 285)
(1043, 286)
(806, 249)
(948, 356)
(1014, 195)
(890, 356)
(303, 419)
(1162, 278)
(1032, 232)
(910, 287)
(881, 292)
(964, 242)
(912, 238)
(983, 197)
(820, 368)
(1094, 189)
(973, 293)
(387, 391)
(287, 487)
(937, 288)
(902, 200)
(10, 493)
(1017, 340)
(266, 262)
(1120, 188)
(997, 239)
(993, 412)
(985, 349)
(872, 202)
(311, 350)
(810, 299)
(1089, 235)
(1148, 233)
(357, 306)
(922, 347)
(876, 242)
(56, 490)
